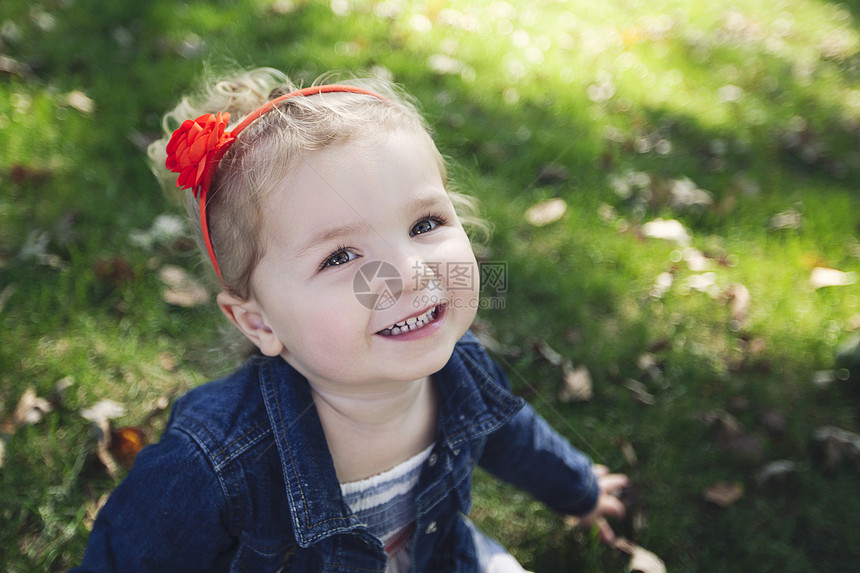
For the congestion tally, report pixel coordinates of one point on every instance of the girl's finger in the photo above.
(604, 531)
(613, 482)
(611, 506)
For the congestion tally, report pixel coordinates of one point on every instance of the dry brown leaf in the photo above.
(641, 560)
(546, 212)
(577, 386)
(114, 272)
(723, 493)
(182, 289)
(125, 444)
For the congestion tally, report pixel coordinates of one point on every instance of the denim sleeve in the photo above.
(165, 516)
(527, 453)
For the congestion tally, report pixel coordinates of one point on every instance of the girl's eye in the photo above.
(425, 225)
(337, 258)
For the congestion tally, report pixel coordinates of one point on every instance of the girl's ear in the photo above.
(248, 317)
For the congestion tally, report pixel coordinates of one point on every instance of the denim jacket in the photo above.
(242, 479)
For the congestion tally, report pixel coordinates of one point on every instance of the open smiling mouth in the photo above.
(411, 323)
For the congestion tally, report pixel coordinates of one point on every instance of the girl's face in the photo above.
(359, 237)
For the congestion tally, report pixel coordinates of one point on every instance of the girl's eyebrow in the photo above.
(332, 234)
(341, 231)
(428, 202)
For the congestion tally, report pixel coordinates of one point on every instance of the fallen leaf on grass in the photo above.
(546, 212)
(166, 228)
(667, 229)
(182, 289)
(832, 447)
(628, 452)
(823, 277)
(684, 194)
(730, 435)
(100, 414)
(125, 443)
(103, 410)
(115, 272)
(696, 260)
(791, 219)
(641, 560)
(722, 426)
(777, 474)
(661, 285)
(739, 300)
(705, 282)
(93, 507)
(640, 392)
(724, 494)
(548, 353)
(552, 174)
(20, 173)
(30, 410)
(80, 101)
(577, 386)
(2, 452)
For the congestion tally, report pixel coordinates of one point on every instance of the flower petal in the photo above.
(198, 149)
(198, 176)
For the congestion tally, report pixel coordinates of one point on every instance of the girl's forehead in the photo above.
(356, 180)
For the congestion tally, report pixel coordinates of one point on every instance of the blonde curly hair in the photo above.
(269, 148)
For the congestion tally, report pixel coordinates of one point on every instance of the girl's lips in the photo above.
(416, 325)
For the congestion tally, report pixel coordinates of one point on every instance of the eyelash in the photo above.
(436, 218)
(439, 220)
(325, 262)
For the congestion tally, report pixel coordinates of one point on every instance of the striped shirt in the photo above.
(385, 504)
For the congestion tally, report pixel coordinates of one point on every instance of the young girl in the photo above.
(348, 443)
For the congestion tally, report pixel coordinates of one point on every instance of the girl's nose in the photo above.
(419, 275)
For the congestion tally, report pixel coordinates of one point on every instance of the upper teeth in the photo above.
(412, 323)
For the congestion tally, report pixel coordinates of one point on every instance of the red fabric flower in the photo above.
(195, 148)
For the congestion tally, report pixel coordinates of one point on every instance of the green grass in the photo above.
(759, 105)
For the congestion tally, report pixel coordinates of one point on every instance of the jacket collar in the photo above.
(472, 404)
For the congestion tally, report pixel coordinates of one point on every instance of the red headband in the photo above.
(195, 149)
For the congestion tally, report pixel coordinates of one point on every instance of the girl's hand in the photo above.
(608, 504)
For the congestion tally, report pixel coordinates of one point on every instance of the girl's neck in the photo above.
(371, 431)
(372, 409)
